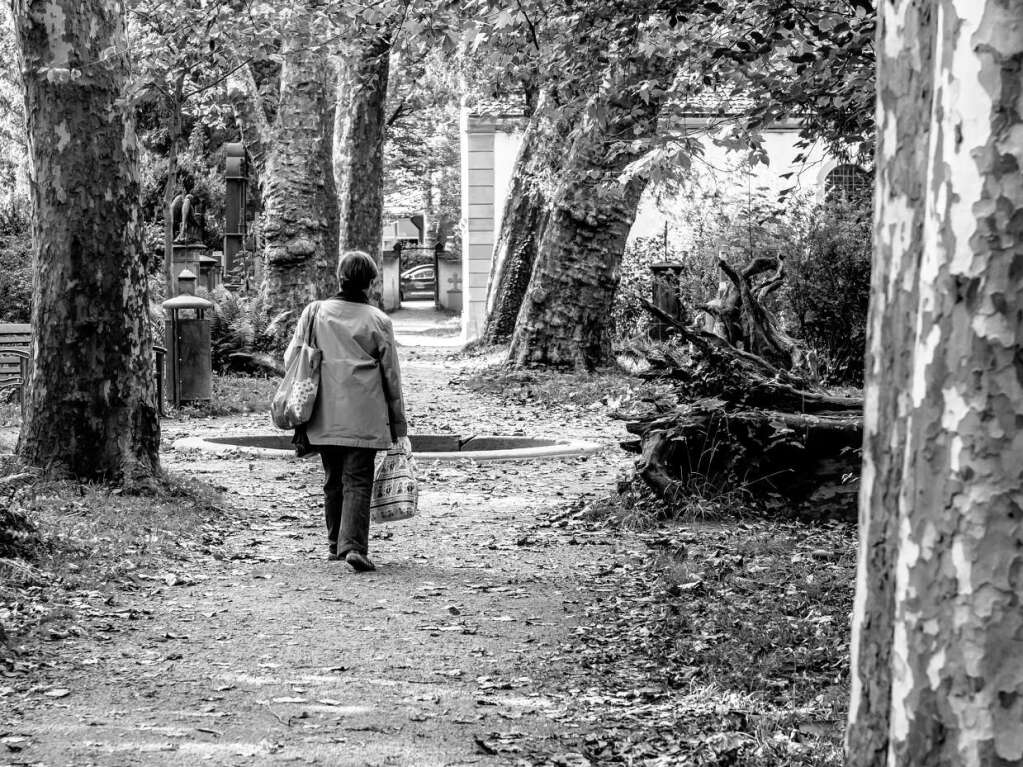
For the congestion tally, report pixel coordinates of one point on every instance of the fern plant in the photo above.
(243, 338)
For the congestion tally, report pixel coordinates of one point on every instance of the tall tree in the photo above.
(563, 321)
(567, 197)
(938, 630)
(522, 225)
(422, 147)
(525, 215)
(13, 190)
(91, 405)
(294, 161)
(360, 128)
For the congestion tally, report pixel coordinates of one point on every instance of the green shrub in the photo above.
(828, 288)
(826, 248)
(15, 265)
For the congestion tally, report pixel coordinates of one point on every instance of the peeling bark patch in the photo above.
(57, 36)
(946, 327)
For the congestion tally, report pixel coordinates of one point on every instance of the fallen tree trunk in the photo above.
(710, 450)
(749, 429)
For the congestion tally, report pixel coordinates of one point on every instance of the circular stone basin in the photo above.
(426, 447)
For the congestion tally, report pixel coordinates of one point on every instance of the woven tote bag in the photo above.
(293, 403)
(395, 489)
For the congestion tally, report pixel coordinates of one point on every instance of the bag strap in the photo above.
(311, 334)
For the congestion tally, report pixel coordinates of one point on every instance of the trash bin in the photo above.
(189, 351)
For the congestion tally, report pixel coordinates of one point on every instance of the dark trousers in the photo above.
(349, 473)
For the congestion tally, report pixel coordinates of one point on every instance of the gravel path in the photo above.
(262, 652)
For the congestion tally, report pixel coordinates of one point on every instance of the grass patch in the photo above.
(87, 540)
(232, 395)
(635, 506)
(10, 409)
(607, 388)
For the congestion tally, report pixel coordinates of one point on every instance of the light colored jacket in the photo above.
(360, 403)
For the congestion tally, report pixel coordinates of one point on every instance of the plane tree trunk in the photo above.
(522, 226)
(938, 630)
(294, 157)
(563, 321)
(91, 408)
(359, 145)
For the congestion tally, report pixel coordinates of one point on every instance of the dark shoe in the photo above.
(333, 557)
(359, 562)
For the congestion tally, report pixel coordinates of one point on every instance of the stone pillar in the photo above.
(478, 221)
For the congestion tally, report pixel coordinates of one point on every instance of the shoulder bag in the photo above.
(293, 403)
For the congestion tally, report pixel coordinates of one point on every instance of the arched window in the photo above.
(848, 181)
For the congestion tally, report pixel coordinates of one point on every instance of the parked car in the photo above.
(419, 282)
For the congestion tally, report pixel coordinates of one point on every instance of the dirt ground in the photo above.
(256, 650)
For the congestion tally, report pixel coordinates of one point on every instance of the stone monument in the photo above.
(188, 248)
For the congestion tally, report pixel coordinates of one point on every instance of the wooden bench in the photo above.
(15, 342)
(15, 346)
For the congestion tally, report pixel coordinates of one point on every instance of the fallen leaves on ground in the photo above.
(728, 645)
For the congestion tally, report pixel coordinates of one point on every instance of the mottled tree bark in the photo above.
(938, 629)
(295, 156)
(564, 317)
(359, 149)
(91, 406)
(300, 232)
(522, 226)
(256, 132)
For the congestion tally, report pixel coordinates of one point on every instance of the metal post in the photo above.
(665, 284)
(236, 178)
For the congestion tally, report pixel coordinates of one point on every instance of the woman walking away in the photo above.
(360, 408)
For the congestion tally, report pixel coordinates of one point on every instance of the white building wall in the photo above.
(478, 221)
(506, 150)
(730, 173)
(489, 148)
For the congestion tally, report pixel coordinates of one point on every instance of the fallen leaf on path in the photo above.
(14, 743)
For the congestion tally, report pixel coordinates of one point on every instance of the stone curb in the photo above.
(566, 449)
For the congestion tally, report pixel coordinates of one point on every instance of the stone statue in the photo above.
(186, 213)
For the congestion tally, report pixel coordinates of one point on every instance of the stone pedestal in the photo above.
(449, 284)
(187, 255)
(210, 276)
(390, 280)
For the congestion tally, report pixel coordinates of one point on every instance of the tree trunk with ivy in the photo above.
(938, 630)
(564, 317)
(359, 149)
(90, 408)
(299, 198)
